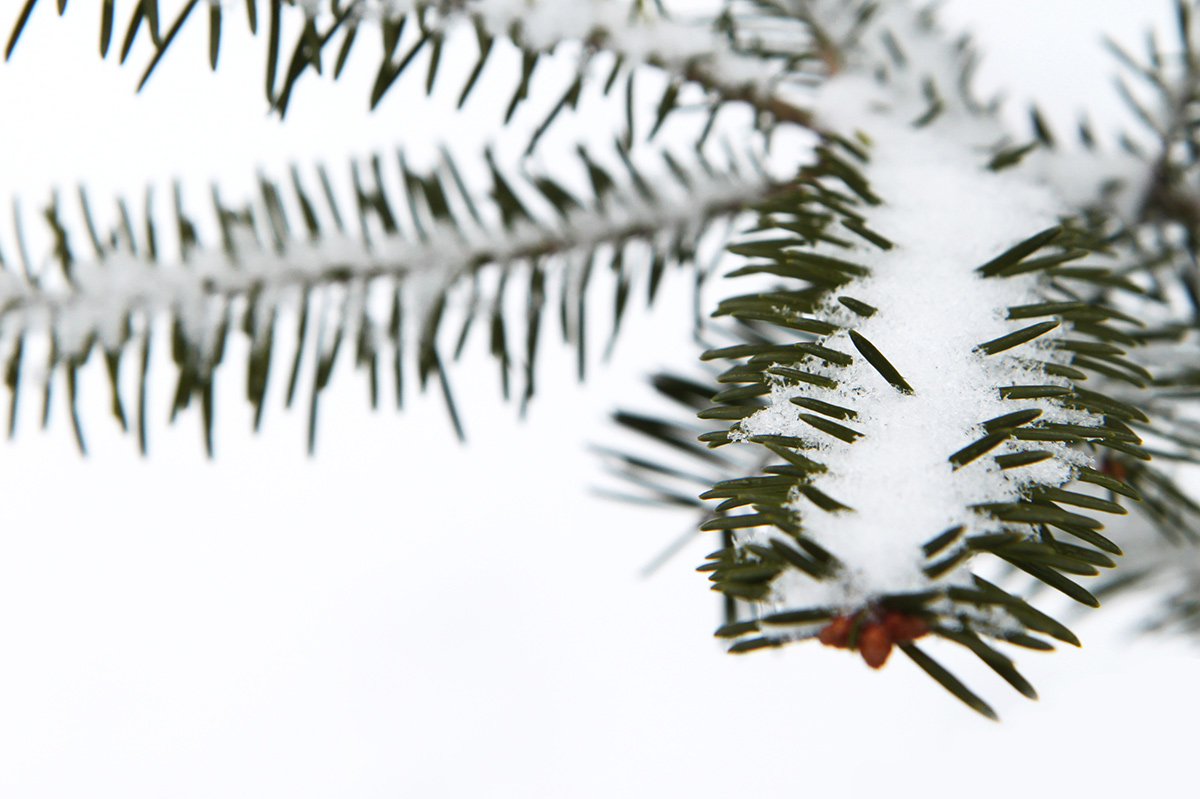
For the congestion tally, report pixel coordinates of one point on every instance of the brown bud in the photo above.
(1113, 468)
(902, 628)
(874, 644)
(837, 632)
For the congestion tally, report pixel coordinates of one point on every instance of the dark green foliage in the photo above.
(949, 681)
(881, 364)
(1024, 532)
(780, 333)
(420, 37)
(259, 240)
(1011, 156)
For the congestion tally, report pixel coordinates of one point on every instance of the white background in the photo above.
(405, 616)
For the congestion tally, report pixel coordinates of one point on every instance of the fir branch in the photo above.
(630, 34)
(831, 549)
(436, 239)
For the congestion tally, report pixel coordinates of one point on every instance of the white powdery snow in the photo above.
(104, 294)
(676, 44)
(948, 215)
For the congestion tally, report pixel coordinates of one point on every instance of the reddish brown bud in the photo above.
(902, 628)
(874, 644)
(837, 632)
(1113, 468)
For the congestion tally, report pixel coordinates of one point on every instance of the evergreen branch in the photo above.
(834, 569)
(1153, 211)
(419, 249)
(632, 36)
(773, 542)
(876, 606)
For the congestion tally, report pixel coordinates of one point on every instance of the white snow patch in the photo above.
(948, 215)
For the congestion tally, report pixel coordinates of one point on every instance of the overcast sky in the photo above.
(405, 616)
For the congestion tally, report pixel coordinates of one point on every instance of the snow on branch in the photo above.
(414, 32)
(391, 263)
(922, 406)
(630, 30)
